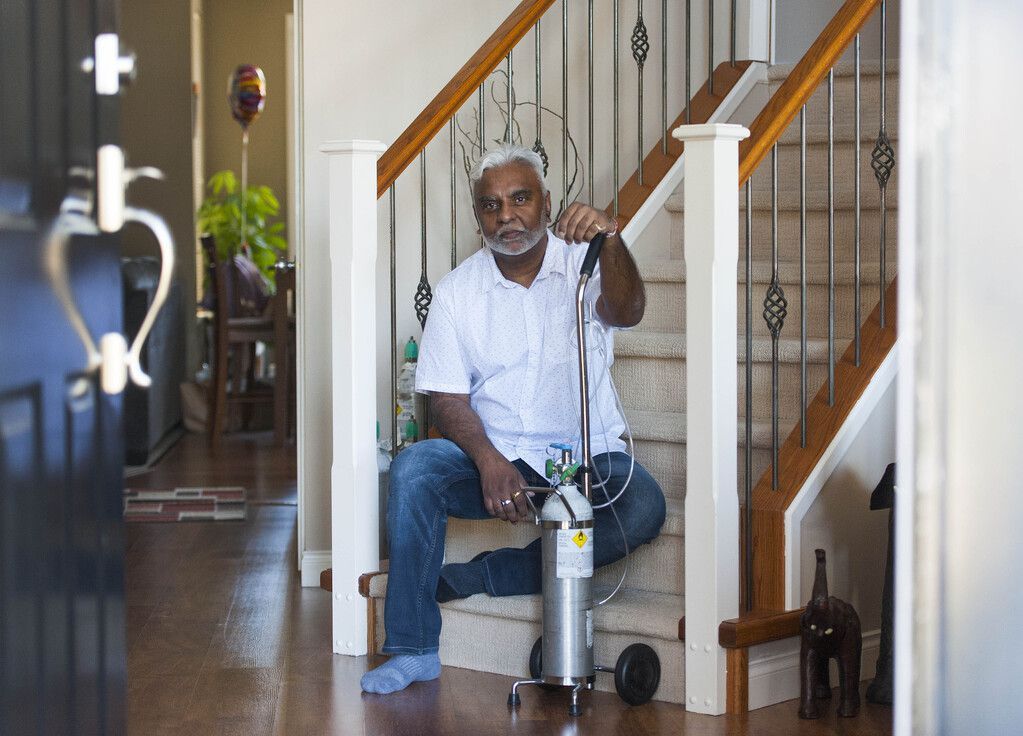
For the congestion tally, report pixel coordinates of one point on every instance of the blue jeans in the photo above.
(434, 479)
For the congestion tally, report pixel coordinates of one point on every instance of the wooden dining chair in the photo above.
(238, 324)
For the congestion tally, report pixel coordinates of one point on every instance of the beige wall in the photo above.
(246, 32)
(156, 130)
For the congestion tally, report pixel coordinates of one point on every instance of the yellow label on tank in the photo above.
(580, 539)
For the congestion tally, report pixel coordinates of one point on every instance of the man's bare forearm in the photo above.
(456, 420)
(622, 295)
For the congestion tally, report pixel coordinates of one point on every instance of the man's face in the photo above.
(512, 208)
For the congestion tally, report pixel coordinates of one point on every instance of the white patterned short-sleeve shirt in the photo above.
(513, 351)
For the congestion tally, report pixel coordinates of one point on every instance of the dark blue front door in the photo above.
(62, 654)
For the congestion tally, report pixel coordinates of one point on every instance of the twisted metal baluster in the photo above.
(454, 220)
(424, 294)
(749, 395)
(883, 158)
(689, 62)
(394, 327)
(538, 145)
(510, 103)
(710, 47)
(802, 276)
(614, 33)
(589, 77)
(664, 77)
(775, 310)
(856, 218)
(564, 103)
(640, 47)
(831, 237)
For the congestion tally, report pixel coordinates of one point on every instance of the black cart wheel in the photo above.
(637, 674)
(536, 664)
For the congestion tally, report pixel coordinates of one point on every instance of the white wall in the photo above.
(362, 82)
(841, 523)
(799, 22)
(958, 593)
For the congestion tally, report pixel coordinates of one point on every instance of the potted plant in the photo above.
(253, 232)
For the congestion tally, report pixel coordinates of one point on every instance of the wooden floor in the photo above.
(223, 640)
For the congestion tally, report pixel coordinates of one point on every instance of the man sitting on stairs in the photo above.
(499, 363)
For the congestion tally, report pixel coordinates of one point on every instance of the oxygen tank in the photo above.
(566, 520)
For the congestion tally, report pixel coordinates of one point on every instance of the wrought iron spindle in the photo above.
(883, 158)
(749, 395)
(424, 294)
(589, 78)
(615, 82)
(831, 237)
(454, 218)
(775, 310)
(564, 103)
(394, 326)
(731, 50)
(802, 276)
(689, 61)
(710, 47)
(510, 101)
(538, 144)
(664, 77)
(483, 119)
(856, 206)
(640, 47)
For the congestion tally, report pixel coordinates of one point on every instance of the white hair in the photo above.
(504, 154)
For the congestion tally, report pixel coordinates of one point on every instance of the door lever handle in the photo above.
(156, 225)
(114, 359)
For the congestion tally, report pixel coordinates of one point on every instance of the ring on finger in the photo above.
(505, 501)
(516, 495)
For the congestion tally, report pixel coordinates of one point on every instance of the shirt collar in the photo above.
(555, 260)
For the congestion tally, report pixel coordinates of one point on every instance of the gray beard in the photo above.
(498, 247)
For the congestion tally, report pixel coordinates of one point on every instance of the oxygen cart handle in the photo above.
(592, 253)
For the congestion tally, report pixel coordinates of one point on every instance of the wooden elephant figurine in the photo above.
(830, 629)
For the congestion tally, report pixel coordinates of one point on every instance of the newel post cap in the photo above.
(352, 146)
(711, 132)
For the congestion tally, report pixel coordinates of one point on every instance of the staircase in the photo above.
(496, 634)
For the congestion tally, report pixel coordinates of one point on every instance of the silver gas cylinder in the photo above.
(567, 539)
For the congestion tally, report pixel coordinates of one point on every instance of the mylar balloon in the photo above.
(246, 91)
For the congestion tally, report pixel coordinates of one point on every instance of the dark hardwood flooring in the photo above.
(223, 640)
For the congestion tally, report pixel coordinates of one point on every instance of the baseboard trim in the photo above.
(774, 669)
(313, 563)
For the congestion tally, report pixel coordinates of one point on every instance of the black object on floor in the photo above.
(880, 691)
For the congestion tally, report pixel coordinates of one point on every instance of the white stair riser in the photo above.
(666, 308)
(656, 566)
(659, 384)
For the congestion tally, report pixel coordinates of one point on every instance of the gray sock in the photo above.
(400, 671)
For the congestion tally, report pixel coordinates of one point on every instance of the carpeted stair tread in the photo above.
(631, 611)
(816, 200)
(868, 68)
(637, 612)
(673, 345)
(674, 271)
(670, 426)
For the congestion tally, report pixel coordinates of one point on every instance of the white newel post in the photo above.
(353, 474)
(712, 505)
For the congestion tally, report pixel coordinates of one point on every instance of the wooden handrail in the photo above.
(800, 85)
(449, 100)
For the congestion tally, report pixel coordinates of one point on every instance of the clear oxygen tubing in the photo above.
(598, 332)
